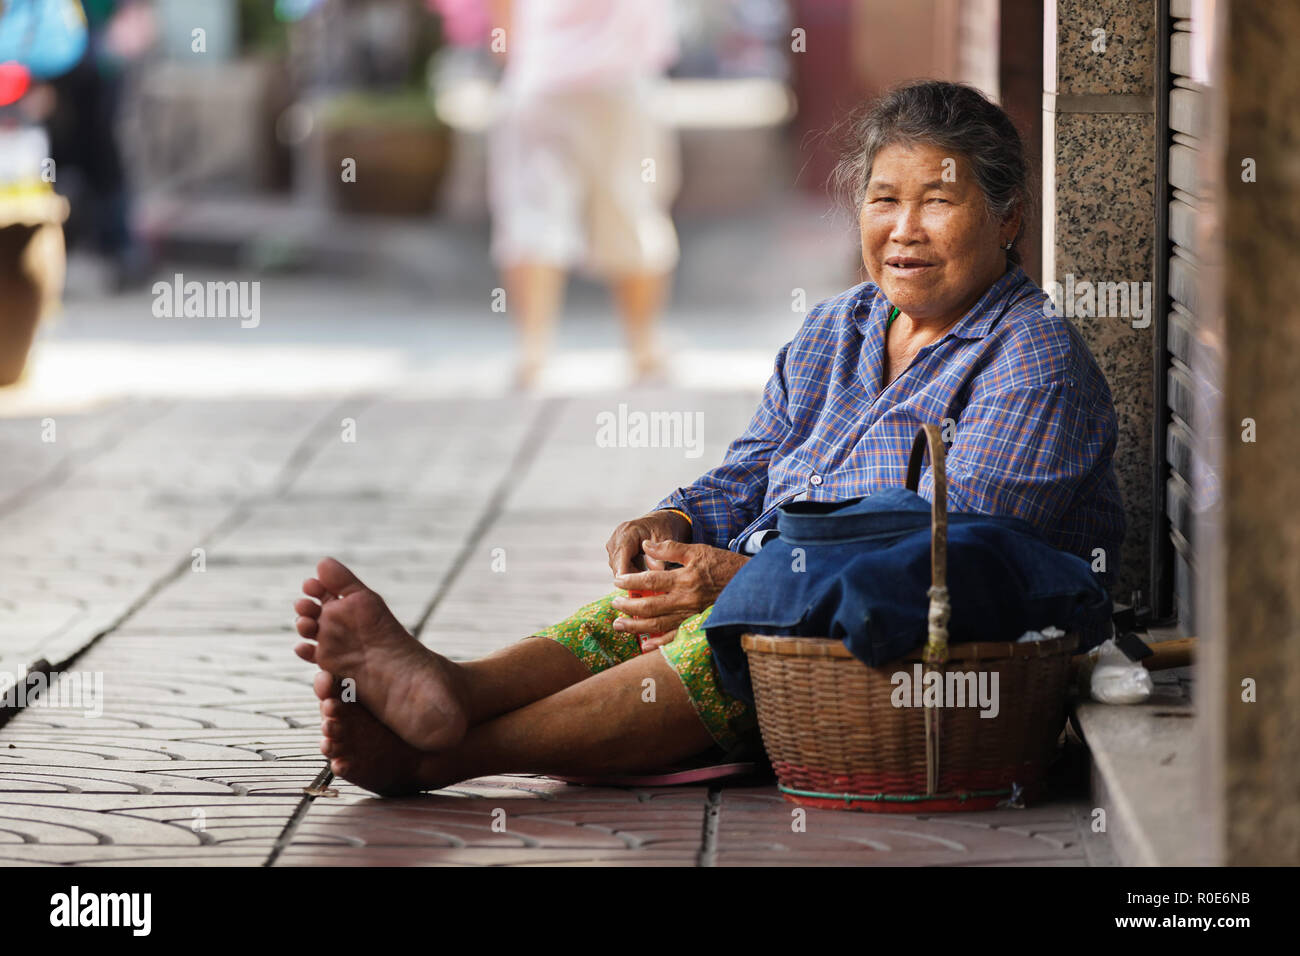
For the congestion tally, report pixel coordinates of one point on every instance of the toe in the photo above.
(324, 685)
(337, 579)
(327, 746)
(307, 652)
(306, 607)
(331, 707)
(339, 767)
(307, 626)
(313, 588)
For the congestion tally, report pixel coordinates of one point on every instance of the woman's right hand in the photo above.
(624, 545)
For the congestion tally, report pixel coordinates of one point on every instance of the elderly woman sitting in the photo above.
(950, 331)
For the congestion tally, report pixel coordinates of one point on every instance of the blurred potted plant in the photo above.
(264, 40)
(31, 248)
(384, 148)
(385, 152)
(38, 42)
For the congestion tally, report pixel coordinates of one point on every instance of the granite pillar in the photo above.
(1099, 221)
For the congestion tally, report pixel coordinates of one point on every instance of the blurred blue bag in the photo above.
(46, 36)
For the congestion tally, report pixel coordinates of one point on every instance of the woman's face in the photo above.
(928, 240)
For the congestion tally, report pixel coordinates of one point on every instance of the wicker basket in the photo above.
(836, 738)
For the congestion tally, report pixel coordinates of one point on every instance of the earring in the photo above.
(1010, 243)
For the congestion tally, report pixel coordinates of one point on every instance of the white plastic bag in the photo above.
(1116, 679)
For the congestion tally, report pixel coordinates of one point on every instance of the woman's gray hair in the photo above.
(951, 116)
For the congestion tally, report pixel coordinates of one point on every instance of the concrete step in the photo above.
(1147, 768)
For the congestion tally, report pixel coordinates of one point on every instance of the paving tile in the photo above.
(553, 823)
(28, 464)
(143, 821)
(95, 748)
(832, 858)
(250, 715)
(479, 856)
(756, 825)
(279, 778)
(116, 856)
(199, 447)
(190, 655)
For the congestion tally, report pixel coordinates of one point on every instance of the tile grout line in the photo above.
(295, 462)
(311, 443)
(708, 855)
(321, 781)
(59, 474)
(238, 513)
(523, 457)
(519, 462)
(289, 471)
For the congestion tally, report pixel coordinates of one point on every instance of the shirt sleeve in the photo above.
(725, 499)
(1025, 451)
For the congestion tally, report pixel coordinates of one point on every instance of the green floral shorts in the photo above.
(590, 635)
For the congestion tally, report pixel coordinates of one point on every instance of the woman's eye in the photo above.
(883, 199)
(937, 199)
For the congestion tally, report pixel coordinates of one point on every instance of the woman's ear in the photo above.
(1016, 221)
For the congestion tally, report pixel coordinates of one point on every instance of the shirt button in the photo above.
(815, 480)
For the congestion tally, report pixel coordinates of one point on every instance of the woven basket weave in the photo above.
(836, 738)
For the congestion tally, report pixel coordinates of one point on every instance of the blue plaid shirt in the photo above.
(1032, 428)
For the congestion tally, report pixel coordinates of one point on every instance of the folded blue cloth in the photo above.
(859, 571)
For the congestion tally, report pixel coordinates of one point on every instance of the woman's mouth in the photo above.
(907, 265)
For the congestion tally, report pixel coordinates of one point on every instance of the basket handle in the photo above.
(936, 647)
(929, 436)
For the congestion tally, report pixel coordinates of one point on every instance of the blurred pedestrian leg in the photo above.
(581, 173)
(534, 293)
(640, 298)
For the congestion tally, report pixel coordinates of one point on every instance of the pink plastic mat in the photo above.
(668, 777)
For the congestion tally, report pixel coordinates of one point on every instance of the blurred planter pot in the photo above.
(32, 264)
(398, 149)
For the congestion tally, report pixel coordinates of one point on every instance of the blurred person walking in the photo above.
(581, 174)
(84, 137)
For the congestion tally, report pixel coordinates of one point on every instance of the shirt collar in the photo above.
(978, 320)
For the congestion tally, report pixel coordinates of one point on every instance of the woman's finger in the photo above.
(645, 581)
(654, 605)
(651, 618)
(659, 626)
(622, 557)
(650, 643)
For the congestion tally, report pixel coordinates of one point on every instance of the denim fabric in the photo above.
(858, 571)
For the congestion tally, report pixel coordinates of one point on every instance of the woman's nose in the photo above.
(907, 224)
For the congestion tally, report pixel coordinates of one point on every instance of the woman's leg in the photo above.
(554, 658)
(426, 698)
(526, 671)
(646, 712)
(634, 716)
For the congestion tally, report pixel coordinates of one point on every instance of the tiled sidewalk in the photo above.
(160, 544)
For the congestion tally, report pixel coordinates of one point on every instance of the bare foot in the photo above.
(528, 374)
(649, 367)
(367, 753)
(416, 693)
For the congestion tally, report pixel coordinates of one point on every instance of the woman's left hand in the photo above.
(688, 590)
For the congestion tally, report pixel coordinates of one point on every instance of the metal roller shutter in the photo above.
(1185, 118)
